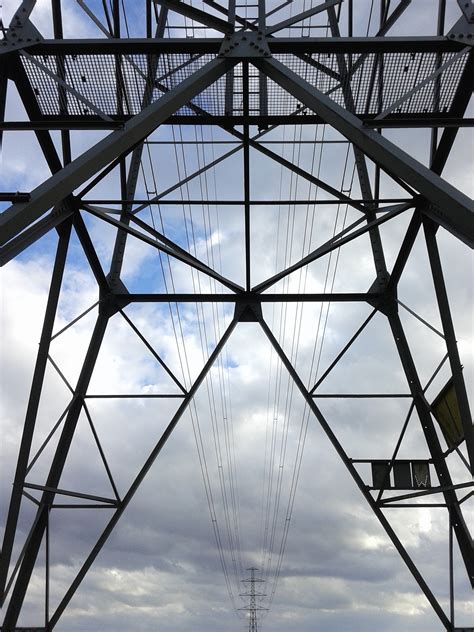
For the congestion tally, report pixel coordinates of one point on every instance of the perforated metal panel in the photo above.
(376, 81)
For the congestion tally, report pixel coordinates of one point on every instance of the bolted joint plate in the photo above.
(245, 44)
(467, 7)
(19, 37)
(463, 32)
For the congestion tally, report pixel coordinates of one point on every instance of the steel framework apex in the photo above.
(229, 232)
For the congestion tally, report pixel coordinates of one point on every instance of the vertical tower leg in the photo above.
(33, 403)
(57, 466)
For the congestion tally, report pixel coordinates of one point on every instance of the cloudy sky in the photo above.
(248, 477)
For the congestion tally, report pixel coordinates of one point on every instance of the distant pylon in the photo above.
(252, 608)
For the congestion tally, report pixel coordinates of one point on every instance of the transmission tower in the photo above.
(252, 608)
(246, 70)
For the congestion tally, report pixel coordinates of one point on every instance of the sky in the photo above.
(247, 466)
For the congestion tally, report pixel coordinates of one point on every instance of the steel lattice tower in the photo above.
(244, 78)
(252, 608)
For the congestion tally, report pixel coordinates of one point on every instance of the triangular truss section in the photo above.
(240, 215)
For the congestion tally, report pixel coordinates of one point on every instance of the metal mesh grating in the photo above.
(96, 77)
(375, 81)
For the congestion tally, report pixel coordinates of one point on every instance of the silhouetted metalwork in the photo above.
(244, 75)
(253, 595)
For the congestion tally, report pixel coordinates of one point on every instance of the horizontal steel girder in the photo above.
(248, 297)
(88, 122)
(19, 216)
(295, 45)
(448, 206)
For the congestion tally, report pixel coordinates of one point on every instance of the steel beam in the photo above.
(416, 121)
(23, 227)
(230, 13)
(57, 466)
(278, 45)
(299, 17)
(28, 237)
(405, 250)
(188, 178)
(361, 163)
(448, 206)
(385, 26)
(87, 203)
(141, 475)
(58, 34)
(356, 476)
(197, 15)
(461, 529)
(31, 106)
(450, 337)
(87, 122)
(135, 163)
(153, 352)
(248, 297)
(63, 183)
(160, 242)
(360, 45)
(246, 174)
(33, 405)
(332, 244)
(458, 108)
(343, 351)
(301, 172)
(3, 95)
(91, 254)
